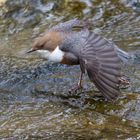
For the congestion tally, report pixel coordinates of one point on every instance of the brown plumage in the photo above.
(97, 56)
(49, 40)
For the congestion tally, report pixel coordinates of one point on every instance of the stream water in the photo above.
(34, 99)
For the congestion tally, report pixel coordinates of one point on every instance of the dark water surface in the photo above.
(34, 99)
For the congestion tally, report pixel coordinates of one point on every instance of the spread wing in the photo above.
(70, 25)
(102, 63)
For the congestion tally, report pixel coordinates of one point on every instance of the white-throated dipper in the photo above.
(97, 56)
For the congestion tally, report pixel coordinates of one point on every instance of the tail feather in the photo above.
(124, 56)
(129, 58)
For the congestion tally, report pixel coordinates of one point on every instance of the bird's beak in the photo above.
(31, 50)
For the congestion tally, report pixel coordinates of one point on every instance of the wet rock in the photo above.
(135, 4)
(19, 14)
(34, 98)
(20, 76)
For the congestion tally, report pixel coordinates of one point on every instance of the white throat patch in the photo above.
(55, 56)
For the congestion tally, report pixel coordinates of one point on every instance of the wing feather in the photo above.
(102, 64)
(69, 26)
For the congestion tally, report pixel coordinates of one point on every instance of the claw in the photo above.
(124, 81)
(78, 86)
(75, 88)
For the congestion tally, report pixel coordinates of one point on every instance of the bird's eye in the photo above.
(41, 46)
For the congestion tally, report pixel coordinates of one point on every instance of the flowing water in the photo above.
(34, 99)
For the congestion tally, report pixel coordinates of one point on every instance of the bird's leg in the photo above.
(80, 80)
(78, 86)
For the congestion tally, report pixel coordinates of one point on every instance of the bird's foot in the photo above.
(123, 81)
(75, 88)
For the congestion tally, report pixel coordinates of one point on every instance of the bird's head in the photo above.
(47, 42)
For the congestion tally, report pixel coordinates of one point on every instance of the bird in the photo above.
(72, 43)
